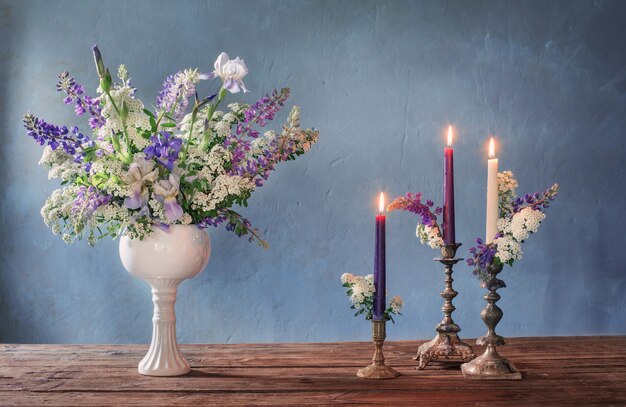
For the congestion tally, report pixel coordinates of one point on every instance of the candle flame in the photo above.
(492, 153)
(381, 203)
(449, 136)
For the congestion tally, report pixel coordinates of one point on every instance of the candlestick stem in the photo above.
(490, 365)
(378, 369)
(446, 346)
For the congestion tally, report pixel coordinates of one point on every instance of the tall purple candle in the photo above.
(380, 263)
(448, 192)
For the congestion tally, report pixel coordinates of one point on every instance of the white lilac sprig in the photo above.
(184, 162)
(519, 218)
(428, 230)
(361, 291)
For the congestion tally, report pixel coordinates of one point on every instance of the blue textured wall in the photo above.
(380, 80)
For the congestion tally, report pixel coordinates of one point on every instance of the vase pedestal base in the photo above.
(446, 347)
(490, 366)
(164, 358)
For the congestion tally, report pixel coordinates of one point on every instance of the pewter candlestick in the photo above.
(378, 369)
(446, 346)
(490, 365)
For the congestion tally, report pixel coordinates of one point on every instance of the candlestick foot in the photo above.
(490, 366)
(445, 347)
(378, 372)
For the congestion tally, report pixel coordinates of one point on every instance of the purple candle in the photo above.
(448, 192)
(379, 263)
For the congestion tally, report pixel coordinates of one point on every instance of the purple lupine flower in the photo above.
(262, 111)
(413, 203)
(88, 199)
(54, 136)
(83, 103)
(537, 201)
(165, 148)
(211, 222)
(176, 91)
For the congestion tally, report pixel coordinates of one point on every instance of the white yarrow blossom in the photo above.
(396, 304)
(525, 222)
(232, 72)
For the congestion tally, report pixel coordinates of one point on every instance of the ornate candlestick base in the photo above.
(378, 369)
(490, 365)
(446, 346)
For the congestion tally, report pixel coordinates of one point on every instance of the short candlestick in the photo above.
(378, 369)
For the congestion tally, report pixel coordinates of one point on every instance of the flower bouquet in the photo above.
(159, 176)
(518, 219)
(182, 162)
(361, 291)
(428, 231)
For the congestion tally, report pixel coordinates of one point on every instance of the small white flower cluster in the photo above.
(362, 288)
(136, 121)
(508, 249)
(429, 235)
(223, 187)
(61, 164)
(361, 291)
(525, 222)
(514, 228)
(506, 192)
(396, 304)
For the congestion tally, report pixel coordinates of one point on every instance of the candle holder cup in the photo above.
(378, 370)
(446, 346)
(490, 365)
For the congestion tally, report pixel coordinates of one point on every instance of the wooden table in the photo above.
(557, 371)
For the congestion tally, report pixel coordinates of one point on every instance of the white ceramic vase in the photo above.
(164, 260)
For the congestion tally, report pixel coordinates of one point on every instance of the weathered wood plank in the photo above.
(569, 370)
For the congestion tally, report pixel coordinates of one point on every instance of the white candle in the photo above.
(492, 195)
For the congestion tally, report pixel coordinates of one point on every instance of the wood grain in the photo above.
(556, 371)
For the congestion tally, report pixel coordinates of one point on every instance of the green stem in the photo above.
(212, 108)
(193, 122)
(124, 156)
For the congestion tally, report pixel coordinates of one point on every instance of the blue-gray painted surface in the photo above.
(380, 80)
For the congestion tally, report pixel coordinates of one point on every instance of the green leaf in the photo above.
(149, 113)
(153, 125)
(168, 125)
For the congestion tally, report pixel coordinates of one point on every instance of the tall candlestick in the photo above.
(380, 263)
(492, 195)
(448, 192)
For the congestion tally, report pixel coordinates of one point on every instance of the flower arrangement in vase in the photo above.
(160, 176)
(518, 218)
